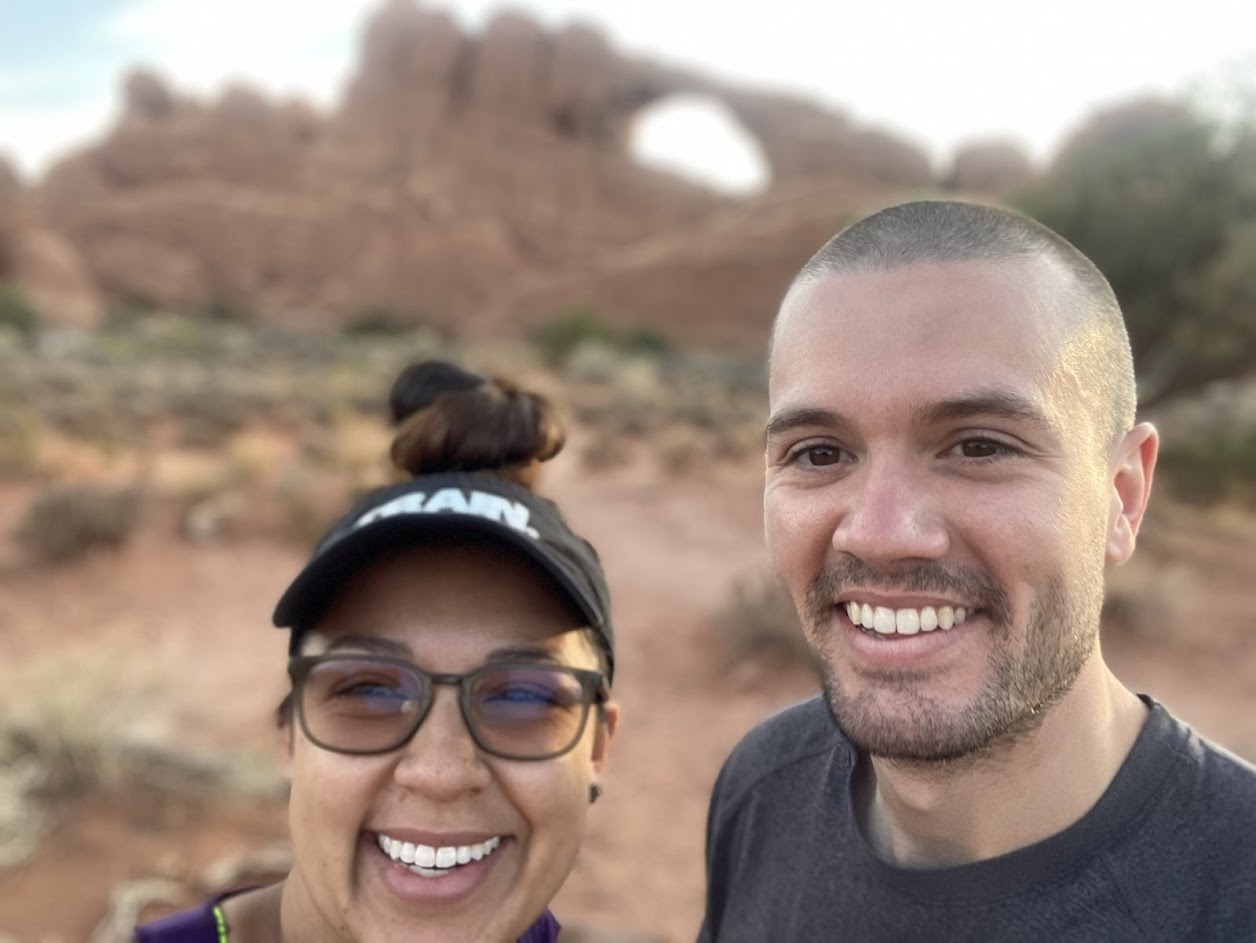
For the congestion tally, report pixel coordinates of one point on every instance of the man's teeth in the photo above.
(433, 862)
(886, 621)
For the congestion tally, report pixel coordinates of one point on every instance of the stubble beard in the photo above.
(1060, 635)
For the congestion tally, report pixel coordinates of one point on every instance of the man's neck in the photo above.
(941, 814)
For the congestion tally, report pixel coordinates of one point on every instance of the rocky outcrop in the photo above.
(456, 171)
(42, 263)
(990, 167)
(716, 282)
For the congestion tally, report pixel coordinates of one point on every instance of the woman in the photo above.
(451, 657)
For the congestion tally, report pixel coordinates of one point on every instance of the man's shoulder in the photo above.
(801, 734)
(1218, 775)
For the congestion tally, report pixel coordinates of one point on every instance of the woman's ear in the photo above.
(286, 730)
(607, 722)
(1133, 467)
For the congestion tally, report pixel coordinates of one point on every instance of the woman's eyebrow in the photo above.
(371, 643)
(522, 653)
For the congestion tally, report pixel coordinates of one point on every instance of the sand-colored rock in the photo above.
(990, 167)
(42, 263)
(457, 173)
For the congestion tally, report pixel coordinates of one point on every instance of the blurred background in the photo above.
(225, 227)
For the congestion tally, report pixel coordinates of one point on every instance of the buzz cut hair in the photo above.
(944, 231)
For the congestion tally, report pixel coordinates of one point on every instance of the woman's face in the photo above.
(447, 610)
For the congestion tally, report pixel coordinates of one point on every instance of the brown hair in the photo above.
(449, 419)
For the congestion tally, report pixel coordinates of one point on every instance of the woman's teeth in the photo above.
(885, 621)
(431, 861)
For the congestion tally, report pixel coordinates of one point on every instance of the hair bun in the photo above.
(449, 419)
(418, 386)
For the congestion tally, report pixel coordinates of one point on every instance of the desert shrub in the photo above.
(306, 512)
(644, 340)
(1162, 197)
(127, 312)
(1219, 465)
(679, 448)
(759, 621)
(210, 419)
(606, 449)
(558, 338)
(224, 311)
(20, 435)
(16, 311)
(376, 322)
(67, 521)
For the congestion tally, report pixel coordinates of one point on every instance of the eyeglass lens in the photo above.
(363, 705)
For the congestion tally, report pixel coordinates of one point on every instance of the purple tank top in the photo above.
(201, 926)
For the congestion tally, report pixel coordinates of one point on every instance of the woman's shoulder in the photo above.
(237, 910)
(199, 925)
(545, 930)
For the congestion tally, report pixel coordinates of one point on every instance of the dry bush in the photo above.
(20, 436)
(67, 521)
(90, 719)
(604, 450)
(308, 506)
(759, 621)
(680, 448)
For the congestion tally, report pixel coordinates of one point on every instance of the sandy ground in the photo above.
(174, 640)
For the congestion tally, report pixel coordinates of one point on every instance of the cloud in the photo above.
(46, 132)
(282, 49)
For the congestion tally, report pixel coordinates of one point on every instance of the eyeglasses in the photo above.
(368, 704)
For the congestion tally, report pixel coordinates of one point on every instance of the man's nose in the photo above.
(891, 515)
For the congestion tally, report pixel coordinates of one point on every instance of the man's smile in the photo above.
(882, 620)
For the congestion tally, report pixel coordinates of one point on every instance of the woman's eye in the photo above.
(374, 689)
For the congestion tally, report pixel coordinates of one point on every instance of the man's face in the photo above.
(938, 500)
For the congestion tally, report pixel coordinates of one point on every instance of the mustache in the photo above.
(977, 589)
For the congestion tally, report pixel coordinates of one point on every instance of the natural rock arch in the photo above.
(698, 137)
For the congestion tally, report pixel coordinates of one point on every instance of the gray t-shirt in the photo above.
(1167, 853)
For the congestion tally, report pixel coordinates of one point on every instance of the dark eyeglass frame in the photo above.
(593, 686)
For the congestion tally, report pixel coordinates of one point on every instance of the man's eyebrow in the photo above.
(1002, 404)
(803, 416)
(999, 404)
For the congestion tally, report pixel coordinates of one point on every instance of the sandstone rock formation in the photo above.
(41, 262)
(458, 175)
(990, 167)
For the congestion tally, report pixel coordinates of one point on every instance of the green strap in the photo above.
(222, 924)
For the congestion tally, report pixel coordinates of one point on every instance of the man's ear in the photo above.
(606, 726)
(1134, 462)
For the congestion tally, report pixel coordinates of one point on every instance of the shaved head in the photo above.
(1095, 341)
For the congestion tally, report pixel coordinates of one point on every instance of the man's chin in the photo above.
(917, 732)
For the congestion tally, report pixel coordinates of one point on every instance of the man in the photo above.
(952, 462)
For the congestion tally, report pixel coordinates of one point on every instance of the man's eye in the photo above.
(816, 455)
(984, 448)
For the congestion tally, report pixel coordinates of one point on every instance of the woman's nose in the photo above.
(441, 760)
(891, 515)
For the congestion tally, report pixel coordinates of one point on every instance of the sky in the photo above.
(941, 74)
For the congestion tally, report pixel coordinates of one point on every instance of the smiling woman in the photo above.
(450, 657)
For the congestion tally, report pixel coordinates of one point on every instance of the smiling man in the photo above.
(952, 462)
